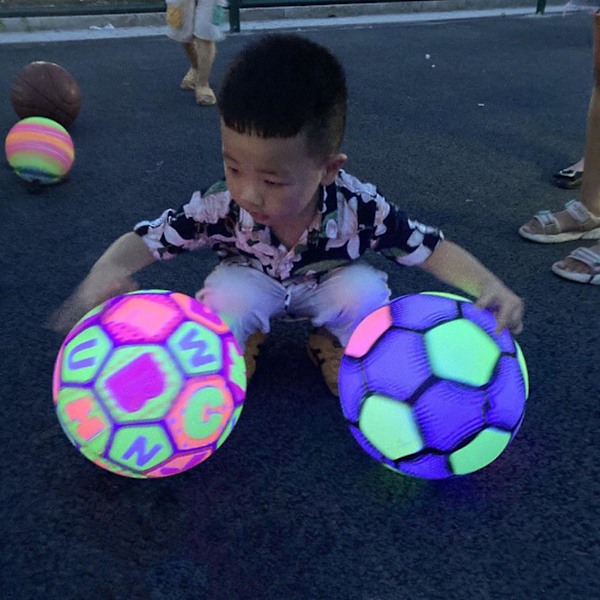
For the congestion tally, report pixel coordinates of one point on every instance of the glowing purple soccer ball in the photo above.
(428, 389)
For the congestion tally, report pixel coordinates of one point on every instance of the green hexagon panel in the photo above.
(485, 448)
(447, 295)
(461, 351)
(232, 423)
(237, 368)
(523, 367)
(140, 447)
(390, 427)
(197, 348)
(83, 419)
(84, 354)
(139, 383)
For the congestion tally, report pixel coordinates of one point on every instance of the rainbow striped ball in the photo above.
(39, 150)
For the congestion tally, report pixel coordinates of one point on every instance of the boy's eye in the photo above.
(273, 183)
(232, 170)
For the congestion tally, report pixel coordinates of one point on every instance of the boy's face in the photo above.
(275, 179)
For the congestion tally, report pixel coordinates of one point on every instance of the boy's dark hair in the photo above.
(282, 85)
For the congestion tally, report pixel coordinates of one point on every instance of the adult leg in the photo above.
(566, 220)
(590, 187)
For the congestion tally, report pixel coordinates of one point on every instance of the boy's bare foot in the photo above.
(582, 265)
(574, 223)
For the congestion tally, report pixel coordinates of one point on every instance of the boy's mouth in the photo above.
(259, 217)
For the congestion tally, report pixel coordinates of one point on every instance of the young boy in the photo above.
(288, 223)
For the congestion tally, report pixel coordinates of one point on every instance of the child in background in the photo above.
(288, 223)
(197, 25)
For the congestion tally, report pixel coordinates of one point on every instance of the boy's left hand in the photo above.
(507, 307)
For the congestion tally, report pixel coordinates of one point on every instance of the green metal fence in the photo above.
(235, 6)
(41, 8)
(61, 8)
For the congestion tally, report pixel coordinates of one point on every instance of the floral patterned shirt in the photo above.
(353, 217)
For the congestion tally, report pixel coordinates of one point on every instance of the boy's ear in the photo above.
(332, 167)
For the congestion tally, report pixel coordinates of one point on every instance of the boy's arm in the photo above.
(454, 265)
(110, 276)
(124, 257)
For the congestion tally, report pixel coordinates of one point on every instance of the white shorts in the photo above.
(247, 299)
(188, 19)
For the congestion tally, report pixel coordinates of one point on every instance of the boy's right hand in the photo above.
(110, 276)
(87, 296)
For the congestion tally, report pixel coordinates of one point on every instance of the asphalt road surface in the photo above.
(463, 124)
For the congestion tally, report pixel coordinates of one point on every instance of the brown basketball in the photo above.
(45, 89)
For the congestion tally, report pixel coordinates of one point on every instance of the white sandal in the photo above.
(205, 96)
(189, 80)
(587, 228)
(588, 257)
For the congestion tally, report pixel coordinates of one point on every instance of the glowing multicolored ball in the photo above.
(39, 150)
(429, 389)
(149, 384)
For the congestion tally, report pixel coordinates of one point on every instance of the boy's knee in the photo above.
(230, 289)
(241, 294)
(351, 293)
(360, 283)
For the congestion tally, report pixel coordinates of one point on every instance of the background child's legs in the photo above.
(245, 298)
(189, 81)
(206, 34)
(191, 23)
(190, 51)
(201, 54)
(342, 299)
(206, 51)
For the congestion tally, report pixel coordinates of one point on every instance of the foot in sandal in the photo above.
(189, 80)
(582, 266)
(570, 177)
(205, 96)
(575, 222)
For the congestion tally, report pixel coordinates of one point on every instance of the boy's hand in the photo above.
(87, 296)
(454, 265)
(110, 276)
(506, 305)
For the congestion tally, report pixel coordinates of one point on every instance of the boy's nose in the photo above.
(251, 197)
